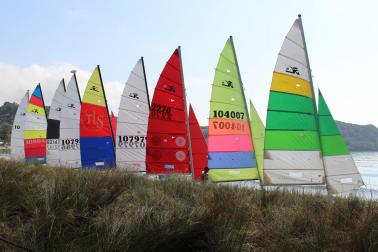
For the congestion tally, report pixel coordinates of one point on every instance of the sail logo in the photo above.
(227, 83)
(292, 70)
(169, 88)
(134, 96)
(71, 105)
(94, 119)
(58, 109)
(35, 111)
(94, 88)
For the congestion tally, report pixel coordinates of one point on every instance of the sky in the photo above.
(41, 41)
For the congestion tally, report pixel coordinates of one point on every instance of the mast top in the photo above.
(299, 15)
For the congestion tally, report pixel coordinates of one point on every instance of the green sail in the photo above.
(258, 135)
(341, 172)
(230, 150)
(331, 140)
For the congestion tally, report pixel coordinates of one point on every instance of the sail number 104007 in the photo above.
(228, 114)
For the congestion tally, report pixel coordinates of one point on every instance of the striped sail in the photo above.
(231, 154)
(168, 128)
(199, 146)
(96, 135)
(17, 136)
(258, 135)
(69, 154)
(292, 147)
(53, 125)
(132, 122)
(341, 171)
(35, 128)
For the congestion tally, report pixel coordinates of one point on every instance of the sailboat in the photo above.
(53, 125)
(231, 154)
(199, 146)
(168, 136)
(292, 153)
(17, 136)
(132, 122)
(35, 128)
(258, 135)
(96, 134)
(69, 154)
(341, 171)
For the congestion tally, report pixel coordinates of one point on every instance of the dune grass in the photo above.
(58, 209)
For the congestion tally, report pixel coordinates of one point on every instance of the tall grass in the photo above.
(58, 209)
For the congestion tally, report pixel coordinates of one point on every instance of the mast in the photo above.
(313, 93)
(186, 116)
(242, 87)
(106, 104)
(64, 85)
(145, 82)
(77, 86)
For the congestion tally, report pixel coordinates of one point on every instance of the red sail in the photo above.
(199, 145)
(113, 120)
(167, 133)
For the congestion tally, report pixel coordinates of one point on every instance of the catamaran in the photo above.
(53, 125)
(231, 154)
(35, 128)
(69, 153)
(168, 134)
(96, 134)
(303, 147)
(131, 136)
(17, 136)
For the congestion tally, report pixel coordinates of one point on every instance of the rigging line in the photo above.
(128, 84)
(290, 58)
(137, 75)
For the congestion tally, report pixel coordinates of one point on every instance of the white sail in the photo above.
(53, 125)
(132, 122)
(69, 154)
(292, 146)
(17, 137)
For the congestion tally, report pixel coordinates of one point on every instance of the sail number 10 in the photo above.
(228, 114)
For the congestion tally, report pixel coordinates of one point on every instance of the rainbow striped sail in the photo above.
(292, 146)
(231, 154)
(96, 135)
(35, 128)
(341, 171)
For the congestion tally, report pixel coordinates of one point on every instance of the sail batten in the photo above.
(230, 150)
(292, 153)
(132, 122)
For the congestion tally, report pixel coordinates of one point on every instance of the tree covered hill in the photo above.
(358, 137)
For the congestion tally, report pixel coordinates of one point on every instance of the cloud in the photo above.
(16, 80)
